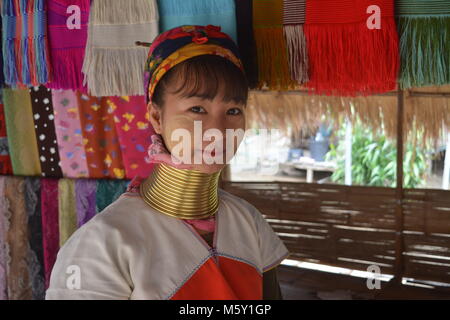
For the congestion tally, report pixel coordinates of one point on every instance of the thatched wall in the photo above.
(424, 108)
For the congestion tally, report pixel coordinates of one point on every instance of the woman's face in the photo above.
(182, 113)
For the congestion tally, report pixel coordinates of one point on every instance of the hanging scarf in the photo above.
(66, 44)
(108, 191)
(101, 143)
(67, 209)
(133, 128)
(22, 142)
(424, 31)
(5, 159)
(345, 56)
(293, 21)
(36, 254)
(85, 190)
(273, 65)
(25, 43)
(174, 13)
(11, 42)
(113, 64)
(19, 281)
(4, 226)
(50, 224)
(246, 40)
(2, 76)
(41, 102)
(69, 135)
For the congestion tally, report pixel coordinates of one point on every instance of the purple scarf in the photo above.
(67, 41)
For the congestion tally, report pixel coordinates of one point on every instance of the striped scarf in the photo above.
(293, 21)
(273, 65)
(346, 57)
(424, 31)
(24, 43)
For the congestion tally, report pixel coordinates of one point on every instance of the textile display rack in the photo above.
(74, 126)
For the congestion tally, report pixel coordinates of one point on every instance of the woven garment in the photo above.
(67, 209)
(2, 76)
(25, 44)
(5, 160)
(19, 281)
(36, 253)
(174, 13)
(4, 225)
(113, 63)
(273, 64)
(133, 128)
(50, 224)
(85, 190)
(44, 126)
(69, 134)
(246, 40)
(101, 144)
(67, 35)
(424, 31)
(108, 191)
(22, 141)
(293, 21)
(346, 57)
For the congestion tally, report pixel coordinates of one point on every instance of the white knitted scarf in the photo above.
(113, 64)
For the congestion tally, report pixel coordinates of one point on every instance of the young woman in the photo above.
(175, 234)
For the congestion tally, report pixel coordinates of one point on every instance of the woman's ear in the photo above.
(155, 116)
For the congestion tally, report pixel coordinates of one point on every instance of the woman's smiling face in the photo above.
(182, 113)
(207, 96)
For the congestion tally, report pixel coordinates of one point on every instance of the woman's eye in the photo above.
(197, 109)
(234, 111)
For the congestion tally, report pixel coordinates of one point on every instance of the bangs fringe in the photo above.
(206, 77)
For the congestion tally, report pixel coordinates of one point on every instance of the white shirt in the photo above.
(131, 251)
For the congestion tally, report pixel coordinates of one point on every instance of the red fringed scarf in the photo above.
(345, 56)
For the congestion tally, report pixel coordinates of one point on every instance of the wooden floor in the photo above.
(304, 284)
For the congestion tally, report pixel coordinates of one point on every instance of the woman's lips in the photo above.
(213, 152)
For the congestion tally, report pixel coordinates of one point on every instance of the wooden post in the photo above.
(446, 174)
(399, 193)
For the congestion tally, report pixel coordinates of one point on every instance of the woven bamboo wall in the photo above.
(354, 227)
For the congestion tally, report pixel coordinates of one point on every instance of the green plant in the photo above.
(374, 159)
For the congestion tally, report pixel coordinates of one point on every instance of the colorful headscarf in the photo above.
(184, 42)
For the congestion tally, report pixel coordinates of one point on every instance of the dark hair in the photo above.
(204, 76)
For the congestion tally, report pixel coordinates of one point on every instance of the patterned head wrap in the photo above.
(181, 43)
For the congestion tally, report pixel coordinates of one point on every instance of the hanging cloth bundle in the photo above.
(174, 13)
(67, 33)
(424, 30)
(273, 65)
(246, 41)
(25, 49)
(349, 53)
(293, 21)
(113, 65)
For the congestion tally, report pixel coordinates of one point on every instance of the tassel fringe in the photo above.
(273, 65)
(424, 51)
(114, 72)
(349, 59)
(297, 52)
